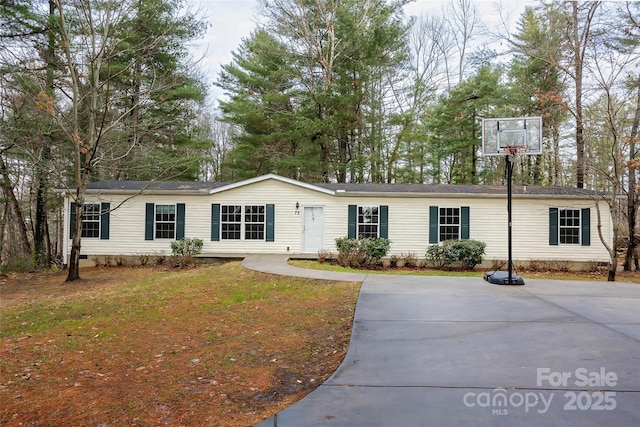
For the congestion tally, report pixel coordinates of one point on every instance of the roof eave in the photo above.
(344, 193)
(116, 191)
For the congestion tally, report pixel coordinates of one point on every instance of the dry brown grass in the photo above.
(211, 346)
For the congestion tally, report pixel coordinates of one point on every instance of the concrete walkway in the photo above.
(453, 351)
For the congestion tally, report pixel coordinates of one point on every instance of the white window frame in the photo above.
(442, 225)
(94, 216)
(157, 222)
(364, 213)
(261, 229)
(233, 222)
(248, 227)
(577, 227)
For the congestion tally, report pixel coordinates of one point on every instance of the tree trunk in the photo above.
(19, 237)
(579, 45)
(40, 234)
(556, 156)
(74, 257)
(632, 207)
(40, 230)
(580, 172)
(611, 277)
(611, 249)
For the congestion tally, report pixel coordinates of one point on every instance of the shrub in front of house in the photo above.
(186, 247)
(409, 260)
(468, 252)
(439, 256)
(361, 252)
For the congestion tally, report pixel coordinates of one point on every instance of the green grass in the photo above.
(327, 266)
(150, 297)
(160, 338)
(547, 275)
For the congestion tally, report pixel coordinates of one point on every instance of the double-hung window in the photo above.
(368, 221)
(91, 220)
(94, 220)
(231, 222)
(243, 222)
(165, 222)
(570, 226)
(448, 223)
(254, 222)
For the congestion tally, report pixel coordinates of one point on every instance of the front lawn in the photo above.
(597, 275)
(211, 346)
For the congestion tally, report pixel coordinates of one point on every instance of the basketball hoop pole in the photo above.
(510, 136)
(509, 192)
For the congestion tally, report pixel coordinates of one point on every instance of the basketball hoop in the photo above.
(522, 133)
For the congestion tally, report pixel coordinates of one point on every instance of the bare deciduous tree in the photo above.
(91, 110)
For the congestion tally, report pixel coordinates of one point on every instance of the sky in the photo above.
(233, 20)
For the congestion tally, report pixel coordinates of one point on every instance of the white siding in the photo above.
(408, 222)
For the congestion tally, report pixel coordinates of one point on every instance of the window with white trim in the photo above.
(239, 222)
(254, 220)
(91, 220)
(231, 222)
(449, 224)
(165, 221)
(569, 226)
(368, 221)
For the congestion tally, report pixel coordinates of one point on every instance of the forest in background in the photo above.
(322, 90)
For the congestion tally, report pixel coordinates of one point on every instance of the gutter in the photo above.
(342, 193)
(199, 192)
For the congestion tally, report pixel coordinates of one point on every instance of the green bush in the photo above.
(375, 249)
(439, 256)
(186, 247)
(361, 252)
(468, 252)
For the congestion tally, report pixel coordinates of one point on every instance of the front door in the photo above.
(313, 229)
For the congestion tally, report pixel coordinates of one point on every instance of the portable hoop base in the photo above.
(502, 278)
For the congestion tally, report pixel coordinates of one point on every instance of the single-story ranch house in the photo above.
(271, 214)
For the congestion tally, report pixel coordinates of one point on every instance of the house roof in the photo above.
(154, 185)
(442, 189)
(348, 189)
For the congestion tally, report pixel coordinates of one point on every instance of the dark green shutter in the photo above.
(270, 231)
(215, 222)
(104, 221)
(149, 221)
(180, 221)
(384, 221)
(352, 222)
(553, 226)
(72, 217)
(433, 224)
(585, 224)
(464, 222)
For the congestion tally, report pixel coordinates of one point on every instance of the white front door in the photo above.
(313, 229)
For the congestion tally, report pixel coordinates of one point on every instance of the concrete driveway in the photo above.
(444, 351)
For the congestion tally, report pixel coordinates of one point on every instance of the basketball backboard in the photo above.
(524, 133)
